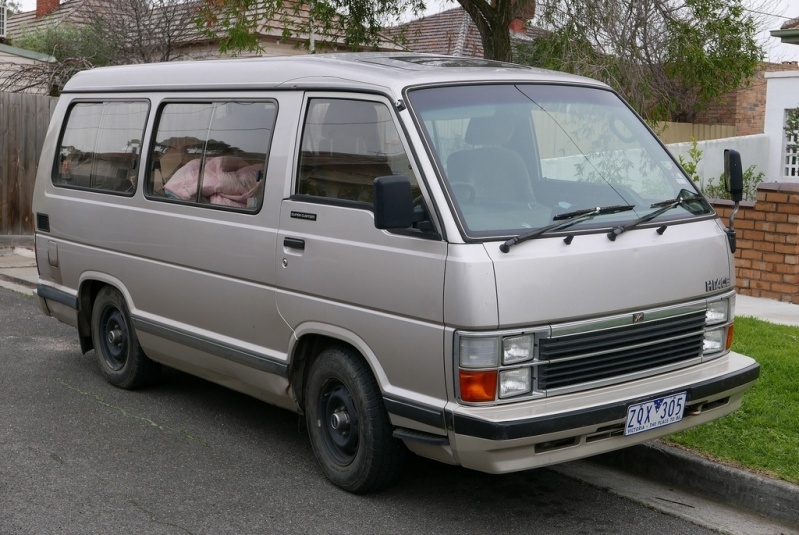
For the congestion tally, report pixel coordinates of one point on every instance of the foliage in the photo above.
(690, 165)
(751, 180)
(74, 48)
(668, 59)
(12, 6)
(792, 130)
(716, 189)
(763, 434)
(238, 23)
(122, 32)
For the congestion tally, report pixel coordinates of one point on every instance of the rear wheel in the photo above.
(348, 425)
(121, 358)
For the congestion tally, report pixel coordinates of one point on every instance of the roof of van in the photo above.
(365, 70)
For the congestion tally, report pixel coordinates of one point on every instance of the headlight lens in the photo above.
(479, 352)
(515, 382)
(715, 340)
(517, 349)
(717, 312)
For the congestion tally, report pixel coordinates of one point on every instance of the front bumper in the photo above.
(547, 431)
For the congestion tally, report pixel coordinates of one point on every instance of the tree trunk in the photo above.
(493, 21)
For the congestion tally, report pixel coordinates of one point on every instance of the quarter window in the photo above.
(101, 146)
(212, 153)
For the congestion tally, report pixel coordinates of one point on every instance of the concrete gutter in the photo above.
(673, 466)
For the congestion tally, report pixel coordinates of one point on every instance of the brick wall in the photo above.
(744, 108)
(767, 256)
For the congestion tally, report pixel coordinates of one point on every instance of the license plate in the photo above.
(656, 413)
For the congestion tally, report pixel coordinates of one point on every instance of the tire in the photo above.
(121, 358)
(348, 425)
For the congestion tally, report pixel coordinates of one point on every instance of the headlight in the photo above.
(719, 326)
(715, 340)
(515, 382)
(517, 349)
(717, 312)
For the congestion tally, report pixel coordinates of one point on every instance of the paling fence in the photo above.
(24, 119)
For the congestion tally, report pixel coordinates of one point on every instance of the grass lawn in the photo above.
(763, 435)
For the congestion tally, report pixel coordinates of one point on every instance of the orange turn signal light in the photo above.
(478, 386)
(730, 331)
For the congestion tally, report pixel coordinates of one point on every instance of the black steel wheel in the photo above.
(121, 358)
(348, 425)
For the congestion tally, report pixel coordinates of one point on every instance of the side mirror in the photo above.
(393, 202)
(733, 175)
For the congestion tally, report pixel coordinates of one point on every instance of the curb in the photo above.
(670, 465)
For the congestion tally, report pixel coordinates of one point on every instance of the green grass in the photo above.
(763, 435)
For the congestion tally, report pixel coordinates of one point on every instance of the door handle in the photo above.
(294, 243)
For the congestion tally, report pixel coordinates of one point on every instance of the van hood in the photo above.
(546, 280)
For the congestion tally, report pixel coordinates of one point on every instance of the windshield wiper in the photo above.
(685, 197)
(565, 220)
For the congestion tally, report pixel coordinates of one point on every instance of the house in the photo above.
(180, 16)
(453, 32)
(11, 60)
(788, 32)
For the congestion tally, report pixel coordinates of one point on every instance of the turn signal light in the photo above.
(730, 330)
(478, 386)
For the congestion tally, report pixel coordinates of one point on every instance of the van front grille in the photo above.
(601, 355)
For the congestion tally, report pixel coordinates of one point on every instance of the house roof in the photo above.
(451, 32)
(77, 12)
(788, 32)
(28, 54)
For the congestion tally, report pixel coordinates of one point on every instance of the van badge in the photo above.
(303, 215)
(638, 317)
(717, 284)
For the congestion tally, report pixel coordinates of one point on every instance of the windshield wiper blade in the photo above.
(663, 207)
(565, 220)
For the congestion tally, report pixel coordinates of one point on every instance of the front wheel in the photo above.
(121, 358)
(348, 425)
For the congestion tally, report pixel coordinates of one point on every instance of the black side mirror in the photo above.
(393, 202)
(733, 175)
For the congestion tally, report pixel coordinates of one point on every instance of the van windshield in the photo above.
(514, 156)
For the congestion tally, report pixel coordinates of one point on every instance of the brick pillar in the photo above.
(767, 259)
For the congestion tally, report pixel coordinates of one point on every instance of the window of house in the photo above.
(212, 153)
(101, 146)
(791, 157)
(346, 144)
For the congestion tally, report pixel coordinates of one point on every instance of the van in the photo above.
(489, 265)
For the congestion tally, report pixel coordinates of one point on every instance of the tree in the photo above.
(354, 23)
(668, 58)
(107, 32)
(12, 6)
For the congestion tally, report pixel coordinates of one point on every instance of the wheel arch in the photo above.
(310, 340)
(90, 285)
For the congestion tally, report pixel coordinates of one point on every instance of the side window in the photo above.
(101, 146)
(212, 153)
(346, 144)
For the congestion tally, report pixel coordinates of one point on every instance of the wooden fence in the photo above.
(24, 119)
(680, 132)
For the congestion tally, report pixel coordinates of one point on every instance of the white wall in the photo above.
(782, 93)
(754, 151)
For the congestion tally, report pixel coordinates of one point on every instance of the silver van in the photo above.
(490, 265)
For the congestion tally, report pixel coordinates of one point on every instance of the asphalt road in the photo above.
(186, 456)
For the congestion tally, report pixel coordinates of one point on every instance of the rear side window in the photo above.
(212, 153)
(346, 144)
(101, 146)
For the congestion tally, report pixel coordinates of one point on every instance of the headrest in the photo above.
(348, 113)
(494, 130)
